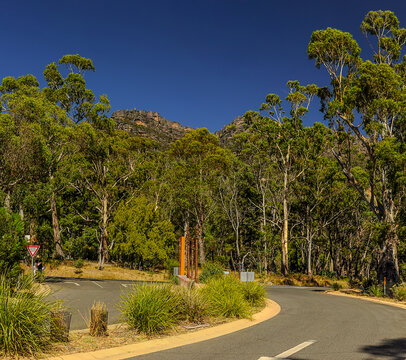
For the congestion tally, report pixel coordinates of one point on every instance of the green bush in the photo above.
(25, 317)
(210, 270)
(193, 306)
(399, 293)
(366, 284)
(225, 296)
(151, 309)
(374, 290)
(254, 293)
(78, 264)
(336, 286)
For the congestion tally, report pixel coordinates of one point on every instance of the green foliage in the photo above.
(12, 243)
(25, 315)
(399, 292)
(336, 286)
(151, 309)
(375, 290)
(367, 283)
(141, 237)
(225, 296)
(254, 293)
(78, 264)
(193, 305)
(210, 270)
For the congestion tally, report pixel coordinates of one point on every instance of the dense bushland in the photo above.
(277, 196)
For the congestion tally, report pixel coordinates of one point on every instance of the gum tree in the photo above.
(366, 100)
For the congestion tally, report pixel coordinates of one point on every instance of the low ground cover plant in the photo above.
(25, 317)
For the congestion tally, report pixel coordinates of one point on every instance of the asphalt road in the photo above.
(311, 325)
(79, 295)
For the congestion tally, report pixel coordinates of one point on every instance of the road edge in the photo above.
(378, 301)
(118, 353)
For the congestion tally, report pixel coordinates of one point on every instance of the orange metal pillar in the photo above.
(182, 256)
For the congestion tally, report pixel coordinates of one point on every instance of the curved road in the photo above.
(311, 325)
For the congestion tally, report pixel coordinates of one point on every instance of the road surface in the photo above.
(310, 326)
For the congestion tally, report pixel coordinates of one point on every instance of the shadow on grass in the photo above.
(391, 349)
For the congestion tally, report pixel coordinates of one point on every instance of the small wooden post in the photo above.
(196, 255)
(182, 256)
(192, 258)
(188, 252)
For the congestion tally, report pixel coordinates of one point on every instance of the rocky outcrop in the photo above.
(228, 131)
(149, 124)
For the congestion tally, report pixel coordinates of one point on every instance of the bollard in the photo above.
(98, 319)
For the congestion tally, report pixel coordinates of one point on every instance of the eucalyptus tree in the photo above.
(281, 139)
(196, 157)
(72, 95)
(102, 164)
(366, 100)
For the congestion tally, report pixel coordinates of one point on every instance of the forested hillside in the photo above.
(265, 193)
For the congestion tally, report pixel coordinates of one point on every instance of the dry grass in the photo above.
(81, 341)
(300, 280)
(110, 271)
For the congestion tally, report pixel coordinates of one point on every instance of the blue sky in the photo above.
(201, 63)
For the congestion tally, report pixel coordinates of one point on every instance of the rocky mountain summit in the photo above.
(149, 124)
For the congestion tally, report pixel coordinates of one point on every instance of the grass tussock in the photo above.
(25, 318)
(255, 294)
(154, 309)
(194, 307)
(151, 309)
(225, 297)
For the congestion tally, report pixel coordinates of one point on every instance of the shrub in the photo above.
(336, 286)
(254, 293)
(225, 296)
(209, 271)
(193, 305)
(151, 309)
(353, 283)
(78, 264)
(25, 317)
(399, 293)
(366, 284)
(375, 291)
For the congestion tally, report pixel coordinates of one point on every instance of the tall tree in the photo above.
(367, 100)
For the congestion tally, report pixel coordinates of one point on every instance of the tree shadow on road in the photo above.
(393, 349)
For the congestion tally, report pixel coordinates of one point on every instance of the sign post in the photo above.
(32, 249)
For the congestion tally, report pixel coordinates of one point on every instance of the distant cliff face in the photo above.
(228, 131)
(149, 124)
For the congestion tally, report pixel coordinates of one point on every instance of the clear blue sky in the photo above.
(201, 63)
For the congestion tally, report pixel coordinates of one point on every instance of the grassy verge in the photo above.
(89, 269)
(300, 280)
(395, 294)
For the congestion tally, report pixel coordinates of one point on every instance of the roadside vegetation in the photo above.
(27, 326)
(154, 309)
